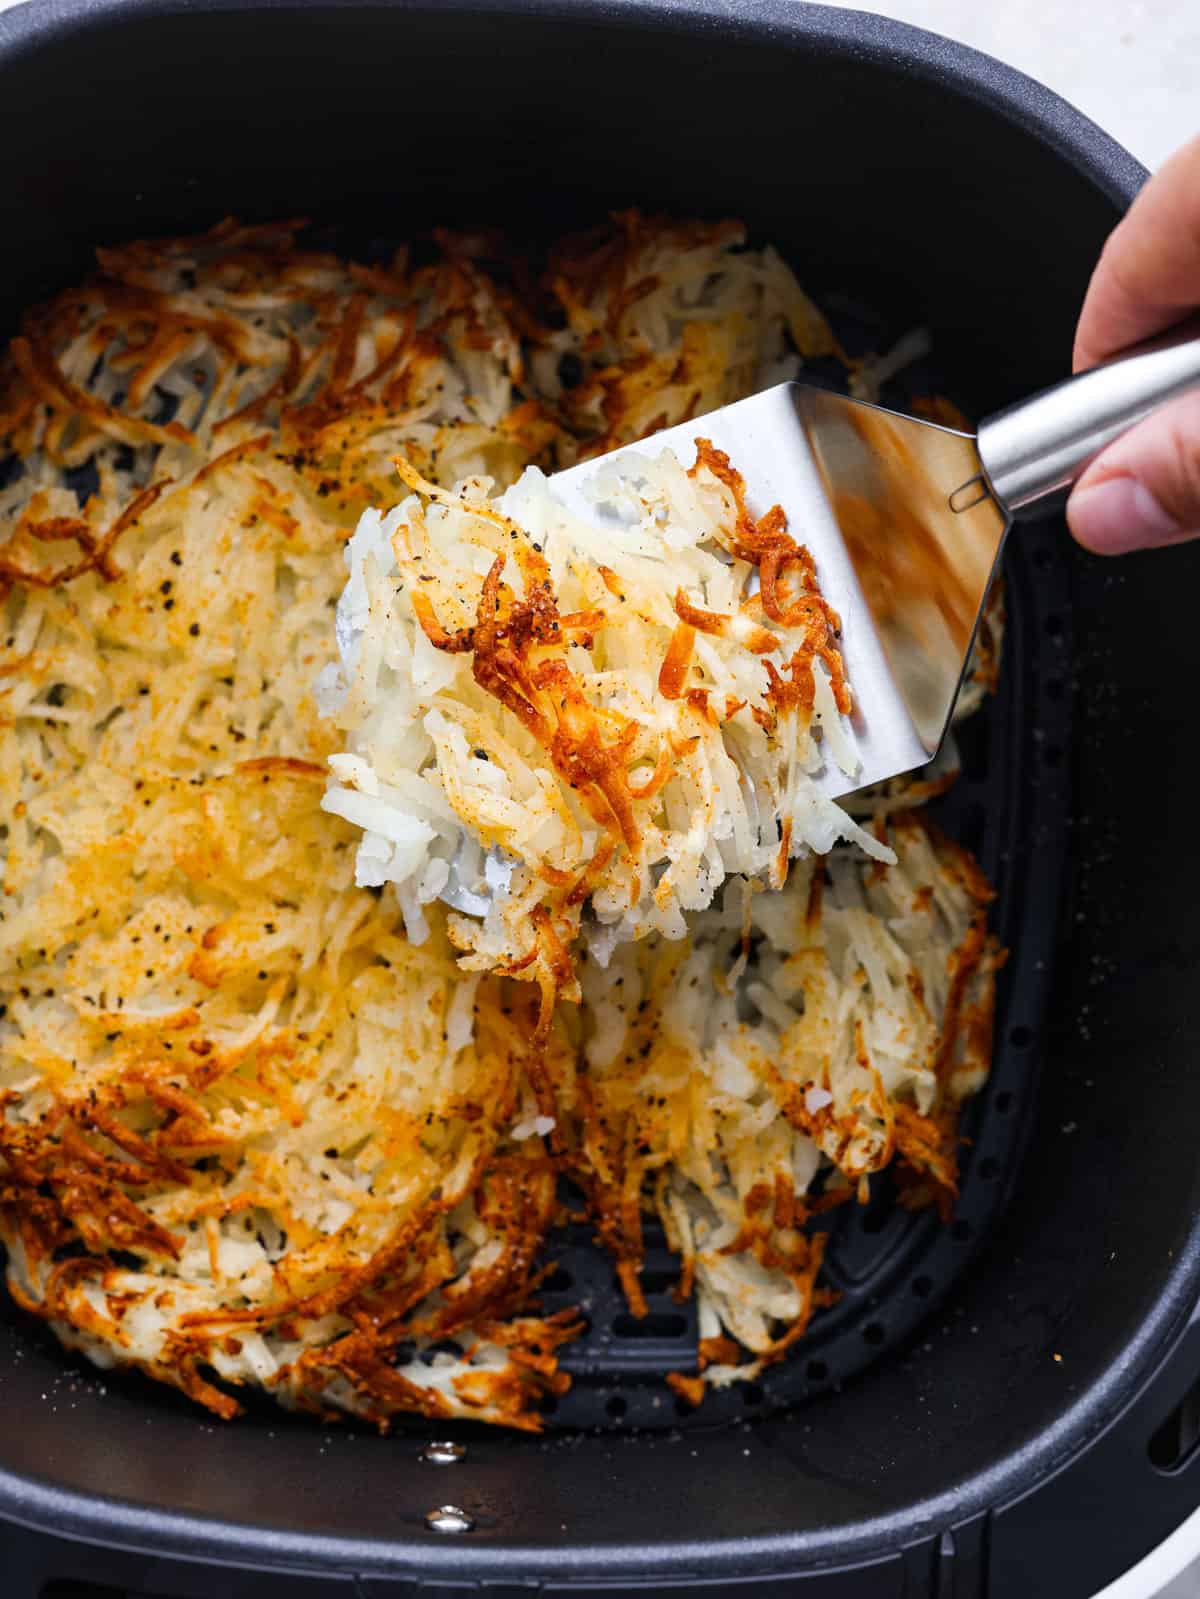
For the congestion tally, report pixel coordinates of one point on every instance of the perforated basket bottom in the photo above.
(891, 1267)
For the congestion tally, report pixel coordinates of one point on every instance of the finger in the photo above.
(1148, 275)
(1144, 489)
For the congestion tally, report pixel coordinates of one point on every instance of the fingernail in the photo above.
(1119, 515)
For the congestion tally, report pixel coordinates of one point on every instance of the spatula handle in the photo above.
(1038, 447)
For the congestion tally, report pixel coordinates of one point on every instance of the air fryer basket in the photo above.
(977, 1415)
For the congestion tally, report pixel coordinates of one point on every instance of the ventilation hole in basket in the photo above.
(616, 1407)
(559, 1281)
(961, 1231)
(1053, 688)
(1173, 1443)
(1003, 1102)
(665, 1324)
(1054, 625)
(683, 1408)
(817, 1371)
(1021, 1037)
(752, 1394)
(922, 1287)
(873, 1333)
(659, 1282)
(1052, 754)
(989, 1168)
(547, 1405)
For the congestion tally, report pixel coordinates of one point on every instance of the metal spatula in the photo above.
(906, 521)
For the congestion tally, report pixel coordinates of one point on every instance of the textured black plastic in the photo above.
(1001, 1449)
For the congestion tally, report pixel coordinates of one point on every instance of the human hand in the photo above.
(1144, 489)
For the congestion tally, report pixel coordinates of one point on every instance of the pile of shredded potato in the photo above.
(252, 1132)
(607, 710)
(757, 1073)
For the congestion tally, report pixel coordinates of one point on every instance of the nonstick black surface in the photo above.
(1001, 1446)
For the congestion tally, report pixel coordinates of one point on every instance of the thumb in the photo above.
(1144, 489)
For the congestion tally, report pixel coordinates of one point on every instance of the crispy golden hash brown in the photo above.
(621, 711)
(252, 1133)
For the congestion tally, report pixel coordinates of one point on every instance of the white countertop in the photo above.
(1132, 65)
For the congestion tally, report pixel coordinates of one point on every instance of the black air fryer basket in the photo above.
(997, 1407)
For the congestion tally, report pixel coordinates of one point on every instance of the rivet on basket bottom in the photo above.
(449, 1518)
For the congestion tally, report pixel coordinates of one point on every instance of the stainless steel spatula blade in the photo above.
(912, 508)
(868, 492)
